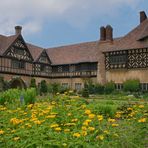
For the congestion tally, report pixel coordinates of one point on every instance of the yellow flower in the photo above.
(54, 125)
(66, 130)
(1, 132)
(15, 121)
(111, 120)
(86, 122)
(16, 138)
(142, 120)
(100, 137)
(53, 102)
(118, 114)
(64, 144)
(100, 117)
(91, 128)
(91, 116)
(84, 133)
(28, 125)
(30, 106)
(87, 112)
(116, 135)
(69, 114)
(74, 120)
(2, 108)
(141, 106)
(69, 124)
(37, 122)
(84, 128)
(115, 125)
(106, 132)
(50, 116)
(77, 135)
(13, 131)
(58, 129)
(129, 108)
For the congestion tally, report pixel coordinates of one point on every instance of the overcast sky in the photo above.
(49, 23)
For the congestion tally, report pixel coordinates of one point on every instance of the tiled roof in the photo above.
(83, 52)
(34, 50)
(5, 42)
(134, 39)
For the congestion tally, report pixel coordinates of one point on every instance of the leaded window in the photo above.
(118, 59)
(18, 64)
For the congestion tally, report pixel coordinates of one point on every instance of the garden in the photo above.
(53, 118)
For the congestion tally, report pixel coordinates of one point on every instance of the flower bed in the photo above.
(73, 122)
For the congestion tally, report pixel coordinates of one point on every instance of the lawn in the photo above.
(73, 122)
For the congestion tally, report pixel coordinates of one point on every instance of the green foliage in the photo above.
(109, 87)
(73, 123)
(99, 89)
(33, 83)
(43, 87)
(132, 85)
(55, 88)
(85, 91)
(9, 96)
(29, 95)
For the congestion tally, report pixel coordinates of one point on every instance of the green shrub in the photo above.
(132, 85)
(33, 83)
(43, 87)
(99, 89)
(85, 91)
(9, 96)
(29, 95)
(109, 87)
(55, 88)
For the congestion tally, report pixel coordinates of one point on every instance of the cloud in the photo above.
(32, 14)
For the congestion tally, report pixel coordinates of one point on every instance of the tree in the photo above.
(43, 87)
(33, 83)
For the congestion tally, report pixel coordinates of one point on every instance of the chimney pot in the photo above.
(102, 33)
(109, 33)
(142, 16)
(18, 30)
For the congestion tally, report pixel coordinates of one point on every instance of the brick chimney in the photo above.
(142, 16)
(102, 33)
(109, 33)
(18, 30)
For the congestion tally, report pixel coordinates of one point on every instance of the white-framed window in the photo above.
(65, 85)
(144, 86)
(119, 86)
(78, 86)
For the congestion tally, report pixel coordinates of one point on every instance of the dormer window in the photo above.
(43, 59)
(19, 51)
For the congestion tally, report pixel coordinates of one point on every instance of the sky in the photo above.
(53, 23)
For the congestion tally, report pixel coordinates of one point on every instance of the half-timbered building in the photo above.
(107, 59)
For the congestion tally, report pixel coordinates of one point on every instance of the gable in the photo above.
(18, 50)
(43, 58)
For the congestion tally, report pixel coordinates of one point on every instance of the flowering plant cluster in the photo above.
(72, 122)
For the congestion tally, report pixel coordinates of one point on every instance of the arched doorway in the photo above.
(17, 83)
